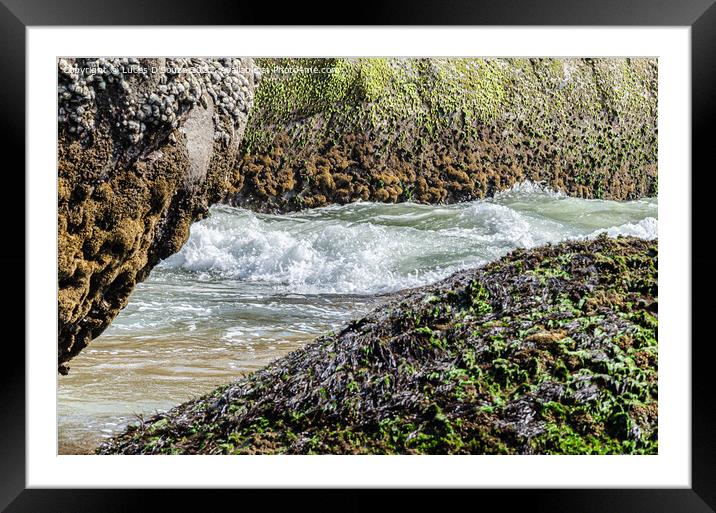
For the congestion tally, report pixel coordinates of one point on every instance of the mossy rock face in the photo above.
(546, 351)
(445, 130)
(128, 191)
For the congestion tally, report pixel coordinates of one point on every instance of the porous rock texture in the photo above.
(145, 146)
(443, 130)
(546, 351)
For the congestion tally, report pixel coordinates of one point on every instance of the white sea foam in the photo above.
(647, 228)
(369, 248)
(529, 188)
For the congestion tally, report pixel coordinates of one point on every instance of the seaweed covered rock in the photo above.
(145, 146)
(438, 130)
(546, 351)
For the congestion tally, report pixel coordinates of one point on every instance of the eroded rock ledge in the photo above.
(145, 146)
(547, 351)
(447, 130)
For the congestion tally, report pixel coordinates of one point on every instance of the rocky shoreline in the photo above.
(546, 351)
(143, 154)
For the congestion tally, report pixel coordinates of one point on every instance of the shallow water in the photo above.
(248, 288)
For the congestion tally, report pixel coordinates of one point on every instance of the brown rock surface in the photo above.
(444, 130)
(145, 146)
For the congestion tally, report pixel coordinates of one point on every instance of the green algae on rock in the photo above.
(546, 351)
(443, 130)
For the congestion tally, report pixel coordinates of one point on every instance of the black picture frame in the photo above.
(16, 15)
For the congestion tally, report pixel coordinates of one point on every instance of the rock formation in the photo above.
(145, 146)
(326, 131)
(547, 351)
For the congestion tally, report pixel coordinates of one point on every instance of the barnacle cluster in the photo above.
(148, 94)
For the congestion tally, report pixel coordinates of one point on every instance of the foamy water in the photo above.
(369, 248)
(248, 288)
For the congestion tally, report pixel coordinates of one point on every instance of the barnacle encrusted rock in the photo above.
(443, 130)
(145, 146)
(546, 351)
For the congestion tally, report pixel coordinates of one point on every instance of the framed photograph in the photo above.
(422, 256)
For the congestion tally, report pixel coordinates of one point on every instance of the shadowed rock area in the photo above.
(326, 131)
(546, 351)
(145, 146)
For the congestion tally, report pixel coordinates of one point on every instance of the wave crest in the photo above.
(369, 248)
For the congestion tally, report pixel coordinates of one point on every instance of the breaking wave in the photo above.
(369, 248)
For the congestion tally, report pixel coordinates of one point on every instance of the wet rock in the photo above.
(546, 351)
